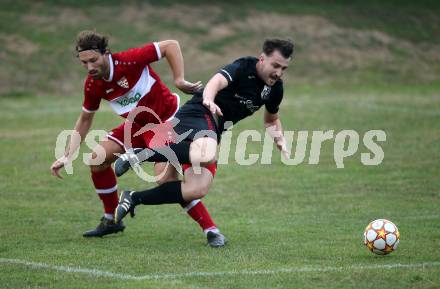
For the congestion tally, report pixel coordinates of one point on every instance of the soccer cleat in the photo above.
(216, 240)
(105, 227)
(123, 163)
(125, 206)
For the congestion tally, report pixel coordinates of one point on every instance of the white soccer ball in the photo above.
(381, 237)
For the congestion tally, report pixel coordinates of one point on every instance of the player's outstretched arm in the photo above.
(214, 85)
(82, 127)
(273, 125)
(170, 49)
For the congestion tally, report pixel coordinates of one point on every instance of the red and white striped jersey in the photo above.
(132, 83)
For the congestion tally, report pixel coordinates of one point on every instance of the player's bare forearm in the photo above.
(82, 127)
(214, 85)
(274, 127)
(170, 49)
(273, 120)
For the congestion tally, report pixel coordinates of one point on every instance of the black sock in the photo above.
(162, 154)
(166, 193)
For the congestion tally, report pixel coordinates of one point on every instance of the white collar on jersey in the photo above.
(110, 61)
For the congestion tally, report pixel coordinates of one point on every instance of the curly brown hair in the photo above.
(91, 40)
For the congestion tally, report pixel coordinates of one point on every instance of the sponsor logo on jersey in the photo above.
(123, 82)
(129, 100)
(109, 90)
(265, 92)
(251, 76)
(247, 102)
(250, 106)
(239, 96)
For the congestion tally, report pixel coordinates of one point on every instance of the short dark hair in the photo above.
(284, 46)
(91, 40)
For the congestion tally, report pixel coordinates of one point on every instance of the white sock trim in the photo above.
(116, 140)
(107, 191)
(211, 229)
(191, 205)
(109, 216)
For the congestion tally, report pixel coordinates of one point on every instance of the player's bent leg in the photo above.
(199, 152)
(196, 185)
(168, 193)
(195, 209)
(105, 184)
(203, 151)
(202, 182)
(174, 192)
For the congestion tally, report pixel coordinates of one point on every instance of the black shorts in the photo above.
(196, 121)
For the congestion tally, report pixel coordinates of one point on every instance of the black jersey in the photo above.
(246, 92)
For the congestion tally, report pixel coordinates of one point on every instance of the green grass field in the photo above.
(358, 68)
(288, 226)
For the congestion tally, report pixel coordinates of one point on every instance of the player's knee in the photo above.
(98, 163)
(201, 192)
(195, 190)
(203, 185)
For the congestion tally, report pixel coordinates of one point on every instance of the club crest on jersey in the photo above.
(123, 82)
(265, 92)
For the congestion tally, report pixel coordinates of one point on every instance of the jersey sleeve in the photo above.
(231, 71)
(91, 98)
(276, 96)
(143, 55)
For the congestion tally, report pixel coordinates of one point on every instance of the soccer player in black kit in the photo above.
(236, 91)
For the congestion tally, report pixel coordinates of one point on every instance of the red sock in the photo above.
(107, 189)
(200, 214)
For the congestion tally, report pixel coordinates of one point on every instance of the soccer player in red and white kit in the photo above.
(126, 81)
